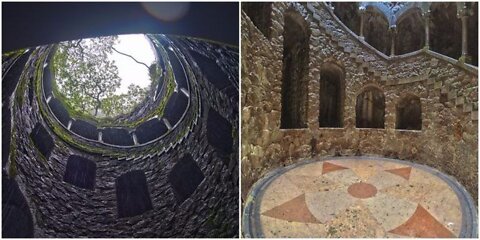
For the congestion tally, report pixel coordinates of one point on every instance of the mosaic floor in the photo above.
(356, 198)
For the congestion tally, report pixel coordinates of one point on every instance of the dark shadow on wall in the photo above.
(409, 113)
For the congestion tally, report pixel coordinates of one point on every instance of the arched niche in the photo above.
(370, 108)
(260, 14)
(80, 172)
(347, 12)
(410, 35)
(296, 37)
(409, 113)
(332, 95)
(376, 30)
(473, 33)
(445, 29)
(133, 196)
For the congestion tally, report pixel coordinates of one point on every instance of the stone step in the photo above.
(444, 90)
(474, 115)
(467, 108)
(452, 94)
(459, 101)
(437, 85)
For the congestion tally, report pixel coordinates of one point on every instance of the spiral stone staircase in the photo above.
(167, 169)
(362, 54)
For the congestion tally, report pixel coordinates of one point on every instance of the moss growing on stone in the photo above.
(14, 53)
(20, 91)
(12, 168)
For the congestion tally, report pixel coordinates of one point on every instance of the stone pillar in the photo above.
(362, 19)
(393, 33)
(463, 14)
(426, 17)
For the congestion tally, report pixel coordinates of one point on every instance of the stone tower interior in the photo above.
(167, 169)
(340, 98)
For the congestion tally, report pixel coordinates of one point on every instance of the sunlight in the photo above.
(129, 71)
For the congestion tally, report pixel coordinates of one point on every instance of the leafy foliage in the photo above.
(88, 79)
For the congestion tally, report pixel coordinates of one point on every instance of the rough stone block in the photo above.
(133, 197)
(80, 172)
(185, 177)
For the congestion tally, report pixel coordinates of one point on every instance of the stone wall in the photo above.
(61, 207)
(447, 91)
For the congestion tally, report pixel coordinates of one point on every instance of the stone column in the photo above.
(393, 33)
(463, 14)
(362, 19)
(426, 17)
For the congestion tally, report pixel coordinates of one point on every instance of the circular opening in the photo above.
(105, 77)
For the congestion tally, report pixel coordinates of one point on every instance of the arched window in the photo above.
(295, 70)
(409, 113)
(445, 29)
(410, 35)
(347, 12)
(376, 31)
(260, 14)
(473, 33)
(370, 108)
(332, 87)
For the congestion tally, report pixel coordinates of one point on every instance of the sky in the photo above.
(129, 71)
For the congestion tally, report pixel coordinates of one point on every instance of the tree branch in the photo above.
(124, 54)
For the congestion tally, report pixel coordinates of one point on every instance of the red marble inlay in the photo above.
(330, 167)
(423, 224)
(295, 210)
(362, 190)
(402, 172)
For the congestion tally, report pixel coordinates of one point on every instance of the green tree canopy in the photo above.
(88, 79)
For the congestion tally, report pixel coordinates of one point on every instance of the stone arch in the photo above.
(445, 29)
(410, 32)
(296, 36)
(409, 113)
(332, 95)
(376, 29)
(473, 33)
(260, 14)
(370, 108)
